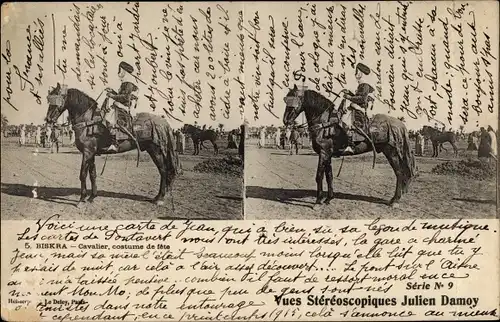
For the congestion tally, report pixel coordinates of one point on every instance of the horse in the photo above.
(199, 136)
(389, 136)
(92, 137)
(438, 138)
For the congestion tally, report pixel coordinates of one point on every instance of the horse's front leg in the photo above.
(83, 179)
(455, 149)
(93, 177)
(320, 171)
(157, 157)
(329, 180)
(216, 148)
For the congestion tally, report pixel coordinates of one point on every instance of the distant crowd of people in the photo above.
(287, 138)
(46, 136)
(487, 143)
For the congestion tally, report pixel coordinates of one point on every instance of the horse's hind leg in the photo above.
(320, 171)
(395, 163)
(157, 157)
(83, 179)
(93, 177)
(329, 180)
(198, 147)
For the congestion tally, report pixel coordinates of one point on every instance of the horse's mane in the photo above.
(430, 128)
(76, 97)
(318, 100)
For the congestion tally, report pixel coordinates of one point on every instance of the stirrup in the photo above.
(112, 147)
(348, 151)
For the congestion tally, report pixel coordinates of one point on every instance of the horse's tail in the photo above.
(172, 158)
(163, 136)
(408, 157)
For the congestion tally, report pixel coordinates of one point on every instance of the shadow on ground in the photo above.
(288, 196)
(55, 195)
(483, 201)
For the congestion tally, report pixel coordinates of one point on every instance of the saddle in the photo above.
(124, 124)
(334, 123)
(124, 128)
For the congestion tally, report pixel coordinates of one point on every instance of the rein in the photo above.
(310, 124)
(63, 96)
(88, 108)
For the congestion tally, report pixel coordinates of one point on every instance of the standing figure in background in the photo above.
(288, 132)
(54, 139)
(493, 142)
(182, 142)
(48, 135)
(22, 137)
(294, 141)
(38, 135)
(71, 136)
(419, 142)
(277, 138)
(262, 141)
(43, 136)
(484, 144)
(231, 140)
(471, 141)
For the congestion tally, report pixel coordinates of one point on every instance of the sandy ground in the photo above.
(124, 190)
(280, 186)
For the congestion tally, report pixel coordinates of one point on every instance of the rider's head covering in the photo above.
(126, 67)
(363, 68)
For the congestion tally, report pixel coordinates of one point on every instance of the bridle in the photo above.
(59, 100)
(296, 102)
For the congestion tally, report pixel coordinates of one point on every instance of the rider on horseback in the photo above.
(126, 96)
(356, 111)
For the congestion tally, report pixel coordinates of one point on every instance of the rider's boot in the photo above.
(349, 150)
(114, 145)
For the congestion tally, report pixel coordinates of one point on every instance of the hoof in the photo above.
(91, 199)
(327, 201)
(80, 204)
(393, 204)
(158, 202)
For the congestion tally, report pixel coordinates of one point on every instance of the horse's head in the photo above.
(56, 100)
(186, 128)
(293, 101)
(427, 131)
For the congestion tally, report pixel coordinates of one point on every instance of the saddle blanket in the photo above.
(143, 129)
